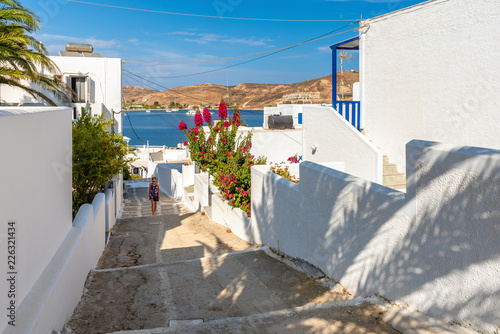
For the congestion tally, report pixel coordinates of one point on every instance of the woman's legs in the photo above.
(153, 207)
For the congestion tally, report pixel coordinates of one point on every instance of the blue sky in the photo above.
(141, 36)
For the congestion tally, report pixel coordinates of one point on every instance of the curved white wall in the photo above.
(431, 72)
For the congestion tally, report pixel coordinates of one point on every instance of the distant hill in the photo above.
(247, 95)
(136, 93)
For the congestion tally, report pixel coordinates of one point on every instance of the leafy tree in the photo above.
(22, 56)
(98, 155)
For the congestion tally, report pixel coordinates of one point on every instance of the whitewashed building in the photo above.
(431, 72)
(96, 80)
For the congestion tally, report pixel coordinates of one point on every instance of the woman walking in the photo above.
(154, 194)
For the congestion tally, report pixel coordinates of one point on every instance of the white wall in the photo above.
(201, 192)
(435, 248)
(51, 302)
(233, 218)
(434, 79)
(54, 256)
(35, 180)
(277, 145)
(169, 155)
(337, 140)
(170, 178)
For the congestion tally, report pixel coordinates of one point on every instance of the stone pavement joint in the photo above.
(179, 272)
(159, 264)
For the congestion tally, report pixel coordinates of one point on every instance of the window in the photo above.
(80, 86)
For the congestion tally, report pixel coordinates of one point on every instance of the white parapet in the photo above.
(435, 248)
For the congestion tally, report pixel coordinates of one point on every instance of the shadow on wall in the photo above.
(435, 249)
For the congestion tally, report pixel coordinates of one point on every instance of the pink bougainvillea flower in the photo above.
(244, 194)
(202, 152)
(227, 124)
(198, 120)
(236, 116)
(182, 126)
(224, 140)
(185, 143)
(222, 109)
(195, 138)
(206, 115)
(196, 131)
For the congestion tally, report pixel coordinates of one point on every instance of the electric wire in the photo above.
(143, 80)
(173, 89)
(264, 56)
(130, 123)
(133, 130)
(237, 57)
(206, 16)
(140, 80)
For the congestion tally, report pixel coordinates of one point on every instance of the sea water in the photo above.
(161, 128)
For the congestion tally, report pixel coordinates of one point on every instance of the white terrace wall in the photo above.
(53, 256)
(277, 145)
(337, 140)
(431, 72)
(170, 178)
(435, 248)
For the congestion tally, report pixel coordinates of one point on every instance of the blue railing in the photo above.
(351, 111)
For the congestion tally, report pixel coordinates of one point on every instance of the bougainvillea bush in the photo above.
(223, 154)
(282, 169)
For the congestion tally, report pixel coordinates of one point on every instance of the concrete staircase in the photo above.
(189, 197)
(391, 177)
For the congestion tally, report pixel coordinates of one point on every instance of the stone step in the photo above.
(394, 178)
(335, 316)
(189, 189)
(390, 169)
(331, 317)
(399, 186)
(386, 159)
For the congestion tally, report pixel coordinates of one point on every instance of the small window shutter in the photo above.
(89, 90)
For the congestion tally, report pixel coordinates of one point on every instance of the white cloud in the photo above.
(167, 54)
(324, 49)
(134, 41)
(246, 41)
(185, 33)
(54, 49)
(205, 38)
(96, 43)
(102, 44)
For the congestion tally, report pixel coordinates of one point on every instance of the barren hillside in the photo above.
(247, 95)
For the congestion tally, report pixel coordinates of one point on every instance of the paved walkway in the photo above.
(177, 272)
